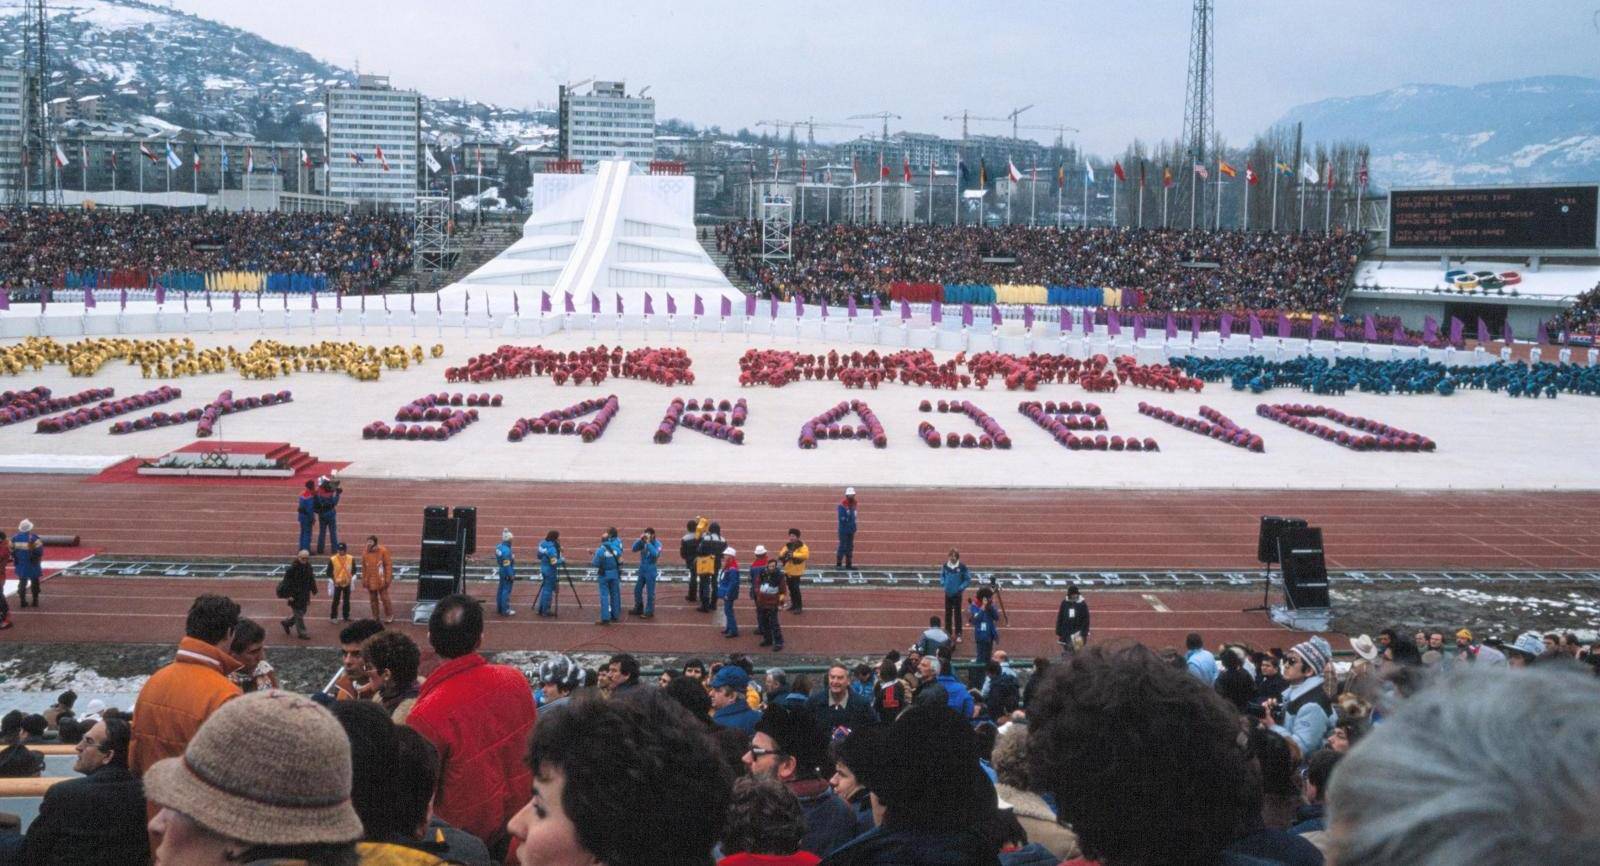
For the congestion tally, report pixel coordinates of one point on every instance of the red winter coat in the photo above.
(479, 716)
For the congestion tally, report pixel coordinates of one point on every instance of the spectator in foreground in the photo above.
(177, 699)
(249, 649)
(790, 747)
(98, 820)
(392, 660)
(417, 779)
(838, 706)
(731, 710)
(938, 806)
(856, 750)
(17, 761)
(624, 783)
(1146, 762)
(1202, 664)
(1306, 708)
(268, 778)
(1010, 761)
(765, 826)
(1442, 780)
(1311, 820)
(559, 676)
(478, 716)
(355, 682)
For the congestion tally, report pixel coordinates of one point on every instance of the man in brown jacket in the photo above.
(177, 699)
(377, 572)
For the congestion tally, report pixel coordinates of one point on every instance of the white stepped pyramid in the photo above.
(614, 233)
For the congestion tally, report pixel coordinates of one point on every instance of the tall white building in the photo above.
(607, 123)
(11, 114)
(363, 119)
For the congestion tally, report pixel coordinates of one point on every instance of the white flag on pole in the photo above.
(173, 161)
(433, 162)
(61, 157)
(1308, 173)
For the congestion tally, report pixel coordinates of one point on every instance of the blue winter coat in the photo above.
(847, 520)
(27, 562)
(956, 695)
(648, 554)
(505, 561)
(984, 627)
(954, 580)
(608, 560)
(737, 715)
(326, 503)
(549, 558)
(306, 511)
(728, 586)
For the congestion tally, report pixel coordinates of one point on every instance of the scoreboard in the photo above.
(1508, 219)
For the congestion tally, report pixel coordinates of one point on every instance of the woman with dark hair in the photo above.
(622, 783)
(853, 752)
(765, 826)
(1235, 684)
(393, 658)
(248, 648)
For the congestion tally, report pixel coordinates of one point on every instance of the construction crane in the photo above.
(1060, 131)
(885, 116)
(810, 125)
(1015, 113)
(964, 117)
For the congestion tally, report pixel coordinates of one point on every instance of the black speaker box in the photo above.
(1305, 573)
(468, 515)
(1267, 540)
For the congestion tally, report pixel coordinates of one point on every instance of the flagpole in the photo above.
(1164, 190)
(1246, 226)
(1220, 176)
(1194, 188)
(1033, 196)
(1275, 172)
(139, 158)
(1086, 193)
(1327, 208)
(1301, 183)
(1059, 185)
(83, 167)
(1141, 194)
(930, 190)
(1114, 198)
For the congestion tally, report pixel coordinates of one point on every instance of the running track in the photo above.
(994, 528)
(836, 622)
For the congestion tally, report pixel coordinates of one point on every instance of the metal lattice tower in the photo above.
(36, 152)
(777, 226)
(1200, 104)
(430, 243)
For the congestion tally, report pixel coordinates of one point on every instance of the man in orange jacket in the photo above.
(377, 573)
(177, 699)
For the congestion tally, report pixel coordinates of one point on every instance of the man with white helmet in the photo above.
(505, 563)
(558, 677)
(27, 554)
(845, 556)
(1526, 650)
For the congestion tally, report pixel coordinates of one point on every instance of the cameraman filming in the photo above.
(326, 504)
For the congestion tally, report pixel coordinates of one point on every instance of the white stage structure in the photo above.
(616, 233)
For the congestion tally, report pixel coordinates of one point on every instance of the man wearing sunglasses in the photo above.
(99, 819)
(1307, 712)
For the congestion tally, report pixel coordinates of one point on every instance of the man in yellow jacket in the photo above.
(794, 557)
(341, 573)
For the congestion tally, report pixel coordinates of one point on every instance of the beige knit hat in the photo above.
(268, 768)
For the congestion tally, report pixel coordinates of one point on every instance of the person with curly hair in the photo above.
(765, 826)
(623, 783)
(1147, 763)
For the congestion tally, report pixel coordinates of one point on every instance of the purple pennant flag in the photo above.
(1456, 329)
(749, 306)
(1066, 320)
(850, 306)
(1114, 323)
(88, 299)
(966, 315)
(699, 306)
(1194, 326)
(1255, 327)
(1027, 317)
(5, 299)
(727, 307)
(1338, 330)
(161, 295)
(936, 312)
(1226, 325)
(799, 307)
(594, 304)
(1088, 322)
(1138, 326)
(1540, 335)
(905, 310)
(466, 303)
(1430, 330)
(516, 304)
(772, 308)
(619, 304)
(566, 300)
(412, 298)
(824, 306)
(1397, 335)
(649, 305)
(338, 299)
(544, 302)
(124, 299)
(186, 302)
(1285, 329)
(208, 300)
(877, 307)
(1316, 325)
(313, 298)
(1483, 332)
(1369, 330)
(994, 315)
(672, 305)
(1506, 334)
(236, 301)
(363, 297)
(1172, 327)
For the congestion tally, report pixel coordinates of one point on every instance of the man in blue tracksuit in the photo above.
(644, 587)
(506, 568)
(550, 559)
(327, 505)
(607, 564)
(954, 579)
(306, 512)
(728, 591)
(985, 625)
(845, 556)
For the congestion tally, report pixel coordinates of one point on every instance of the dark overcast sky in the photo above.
(1114, 69)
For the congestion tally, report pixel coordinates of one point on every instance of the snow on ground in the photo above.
(1486, 441)
(114, 16)
(1550, 281)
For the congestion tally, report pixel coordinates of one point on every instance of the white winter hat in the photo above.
(849, 491)
(730, 551)
(505, 535)
(25, 526)
(761, 550)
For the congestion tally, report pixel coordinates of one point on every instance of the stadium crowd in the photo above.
(1175, 269)
(1583, 317)
(1429, 748)
(357, 251)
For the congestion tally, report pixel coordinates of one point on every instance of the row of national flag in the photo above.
(173, 161)
(1308, 173)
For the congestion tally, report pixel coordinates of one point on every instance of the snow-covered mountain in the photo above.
(149, 61)
(1529, 130)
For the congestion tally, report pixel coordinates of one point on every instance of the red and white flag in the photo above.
(908, 169)
(148, 153)
(1117, 172)
(1250, 176)
(381, 161)
(1201, 171)
(305, 158)
(249, 160)
(1011, 171)
(61, 157)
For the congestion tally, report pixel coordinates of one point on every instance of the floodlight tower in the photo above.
(1199, 105)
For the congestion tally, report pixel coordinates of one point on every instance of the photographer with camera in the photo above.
(954, 578)
(550, 559)
(607, 564)
(326, 504)
(1303, 713)
(505, 566)
(644, 586)
(793, 559)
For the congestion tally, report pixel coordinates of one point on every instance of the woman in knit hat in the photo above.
(1305, 704)
(266, 778)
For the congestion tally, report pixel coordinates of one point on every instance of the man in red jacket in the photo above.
(479, 716)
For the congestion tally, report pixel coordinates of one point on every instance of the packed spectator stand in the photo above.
(193, 251)
(1430, 747)
(1583, 317)
(1147, 269)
